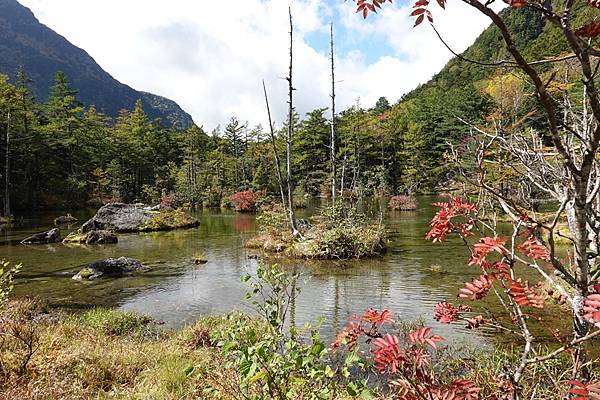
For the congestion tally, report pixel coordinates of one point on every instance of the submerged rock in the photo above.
(51, 236)
(111, 267)
(120, 217)
(91, 237)
(64, 219)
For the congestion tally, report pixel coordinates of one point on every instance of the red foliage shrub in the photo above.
(404, 358)
(403, 203)
(244, 201)
(168, 201)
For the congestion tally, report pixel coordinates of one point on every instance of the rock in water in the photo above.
(112, 267)
(64, 219)
(51, 236)
(91, 237)
(121, 217)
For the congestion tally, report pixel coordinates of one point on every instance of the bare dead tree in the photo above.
(274, 144)
(290, 134)
(332, 141)
(7, 212)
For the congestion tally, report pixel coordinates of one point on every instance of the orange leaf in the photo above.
(476, 289)
(523, 295)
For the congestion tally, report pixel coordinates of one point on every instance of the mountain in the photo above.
(25, 42)
(536, 38)
(431, 116)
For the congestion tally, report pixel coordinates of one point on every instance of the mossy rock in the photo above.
(64, 219)
(92, 237)
(112, 267)
(168, 220)
(119, 217)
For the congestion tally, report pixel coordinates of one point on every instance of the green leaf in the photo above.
(257, 377)
(189, 370)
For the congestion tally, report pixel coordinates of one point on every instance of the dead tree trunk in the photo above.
(7, 212)
(332, 144)
(290, 134)
(275, 153)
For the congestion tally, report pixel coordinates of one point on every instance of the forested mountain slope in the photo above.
(25, 42)
(427, 118)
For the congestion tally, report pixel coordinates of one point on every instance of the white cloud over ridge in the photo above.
(211, 60)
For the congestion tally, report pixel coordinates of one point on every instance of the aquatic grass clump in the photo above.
(167, 220)
(336, 232)
(403, 203)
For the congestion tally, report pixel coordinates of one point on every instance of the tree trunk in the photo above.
(274, 144)
(580, 236)
(290, 134)
(332, 147)
(7, 212)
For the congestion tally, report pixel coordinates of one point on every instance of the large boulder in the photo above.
(119, 217)
(91, 237)
(111, 267)
(51, 236)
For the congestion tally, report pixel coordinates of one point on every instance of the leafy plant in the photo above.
(272, 363)
(7, 275)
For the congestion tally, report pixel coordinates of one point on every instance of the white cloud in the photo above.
(211, 59)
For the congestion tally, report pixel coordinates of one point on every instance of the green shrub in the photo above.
(274, 364)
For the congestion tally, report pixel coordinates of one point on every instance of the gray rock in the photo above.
(51, 236)
(64, 219)
(118, 217)
(111, 267)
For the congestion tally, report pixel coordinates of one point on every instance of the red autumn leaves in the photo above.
(523, 295)
(452, 217)
(365, 7)
(421, 11)
(591, 307)
(582, 391)
(476, 289)
(460, 217)
(404, 358)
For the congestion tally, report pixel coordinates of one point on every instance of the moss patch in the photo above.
(167, 220)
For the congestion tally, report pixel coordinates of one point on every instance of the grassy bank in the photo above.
(99, 354)
(106, 354)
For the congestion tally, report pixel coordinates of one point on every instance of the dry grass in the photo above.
(102, 354)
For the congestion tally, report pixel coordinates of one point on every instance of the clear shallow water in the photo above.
(177, 291)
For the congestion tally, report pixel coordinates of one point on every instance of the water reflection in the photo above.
(177, 291)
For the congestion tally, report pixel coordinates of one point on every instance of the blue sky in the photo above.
(212, 60)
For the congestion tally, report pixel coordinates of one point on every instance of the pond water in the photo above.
(178, 292)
